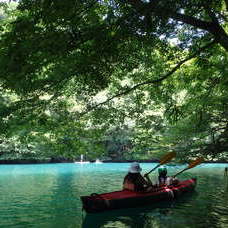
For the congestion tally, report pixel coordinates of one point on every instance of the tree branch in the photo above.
(163, 12)
(154, 7)
(148, 82)
(191, 21)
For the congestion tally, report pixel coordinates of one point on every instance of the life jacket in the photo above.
(128, 185)
(134, 182)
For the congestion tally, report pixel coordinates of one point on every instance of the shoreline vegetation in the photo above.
(113, 80)
(57, 160)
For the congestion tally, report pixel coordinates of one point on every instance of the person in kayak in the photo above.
(162, 175)
(135, 181)
(163, 179)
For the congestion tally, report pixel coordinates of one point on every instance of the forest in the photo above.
(113, 79)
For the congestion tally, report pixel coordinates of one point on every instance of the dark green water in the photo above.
(48, 196)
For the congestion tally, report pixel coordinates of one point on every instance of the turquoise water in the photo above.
(48, 196)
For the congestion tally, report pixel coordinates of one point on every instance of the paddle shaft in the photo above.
(153, 169)
(191, 165)
(181, 172)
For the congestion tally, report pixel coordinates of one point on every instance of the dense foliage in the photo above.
(113, 79)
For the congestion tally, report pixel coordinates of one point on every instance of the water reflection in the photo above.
(158, 215)
(134, 218)
(226, 183)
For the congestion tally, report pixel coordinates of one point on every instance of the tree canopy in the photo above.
(75, 74)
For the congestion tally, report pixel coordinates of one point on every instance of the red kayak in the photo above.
(126, 199)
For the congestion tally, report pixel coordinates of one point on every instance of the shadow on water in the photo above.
(140, 217)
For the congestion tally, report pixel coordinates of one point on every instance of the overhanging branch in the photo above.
(148, 82)
(212, 26)
(155, 8)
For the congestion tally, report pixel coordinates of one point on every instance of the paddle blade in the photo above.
(168, 157)
(195, 163)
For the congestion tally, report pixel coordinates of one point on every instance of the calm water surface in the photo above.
(48, 196)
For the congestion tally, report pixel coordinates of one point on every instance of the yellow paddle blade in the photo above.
(195, 163)
(168, 157)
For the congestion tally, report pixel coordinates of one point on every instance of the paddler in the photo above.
(162, 175)
(134, 181)
(163, 179)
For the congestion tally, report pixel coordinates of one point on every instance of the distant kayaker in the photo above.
(226, 171)
(135, 181)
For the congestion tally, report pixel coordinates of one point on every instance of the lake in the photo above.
(47, 195)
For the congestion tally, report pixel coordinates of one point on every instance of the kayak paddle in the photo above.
(191, 165)
(168, 157)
